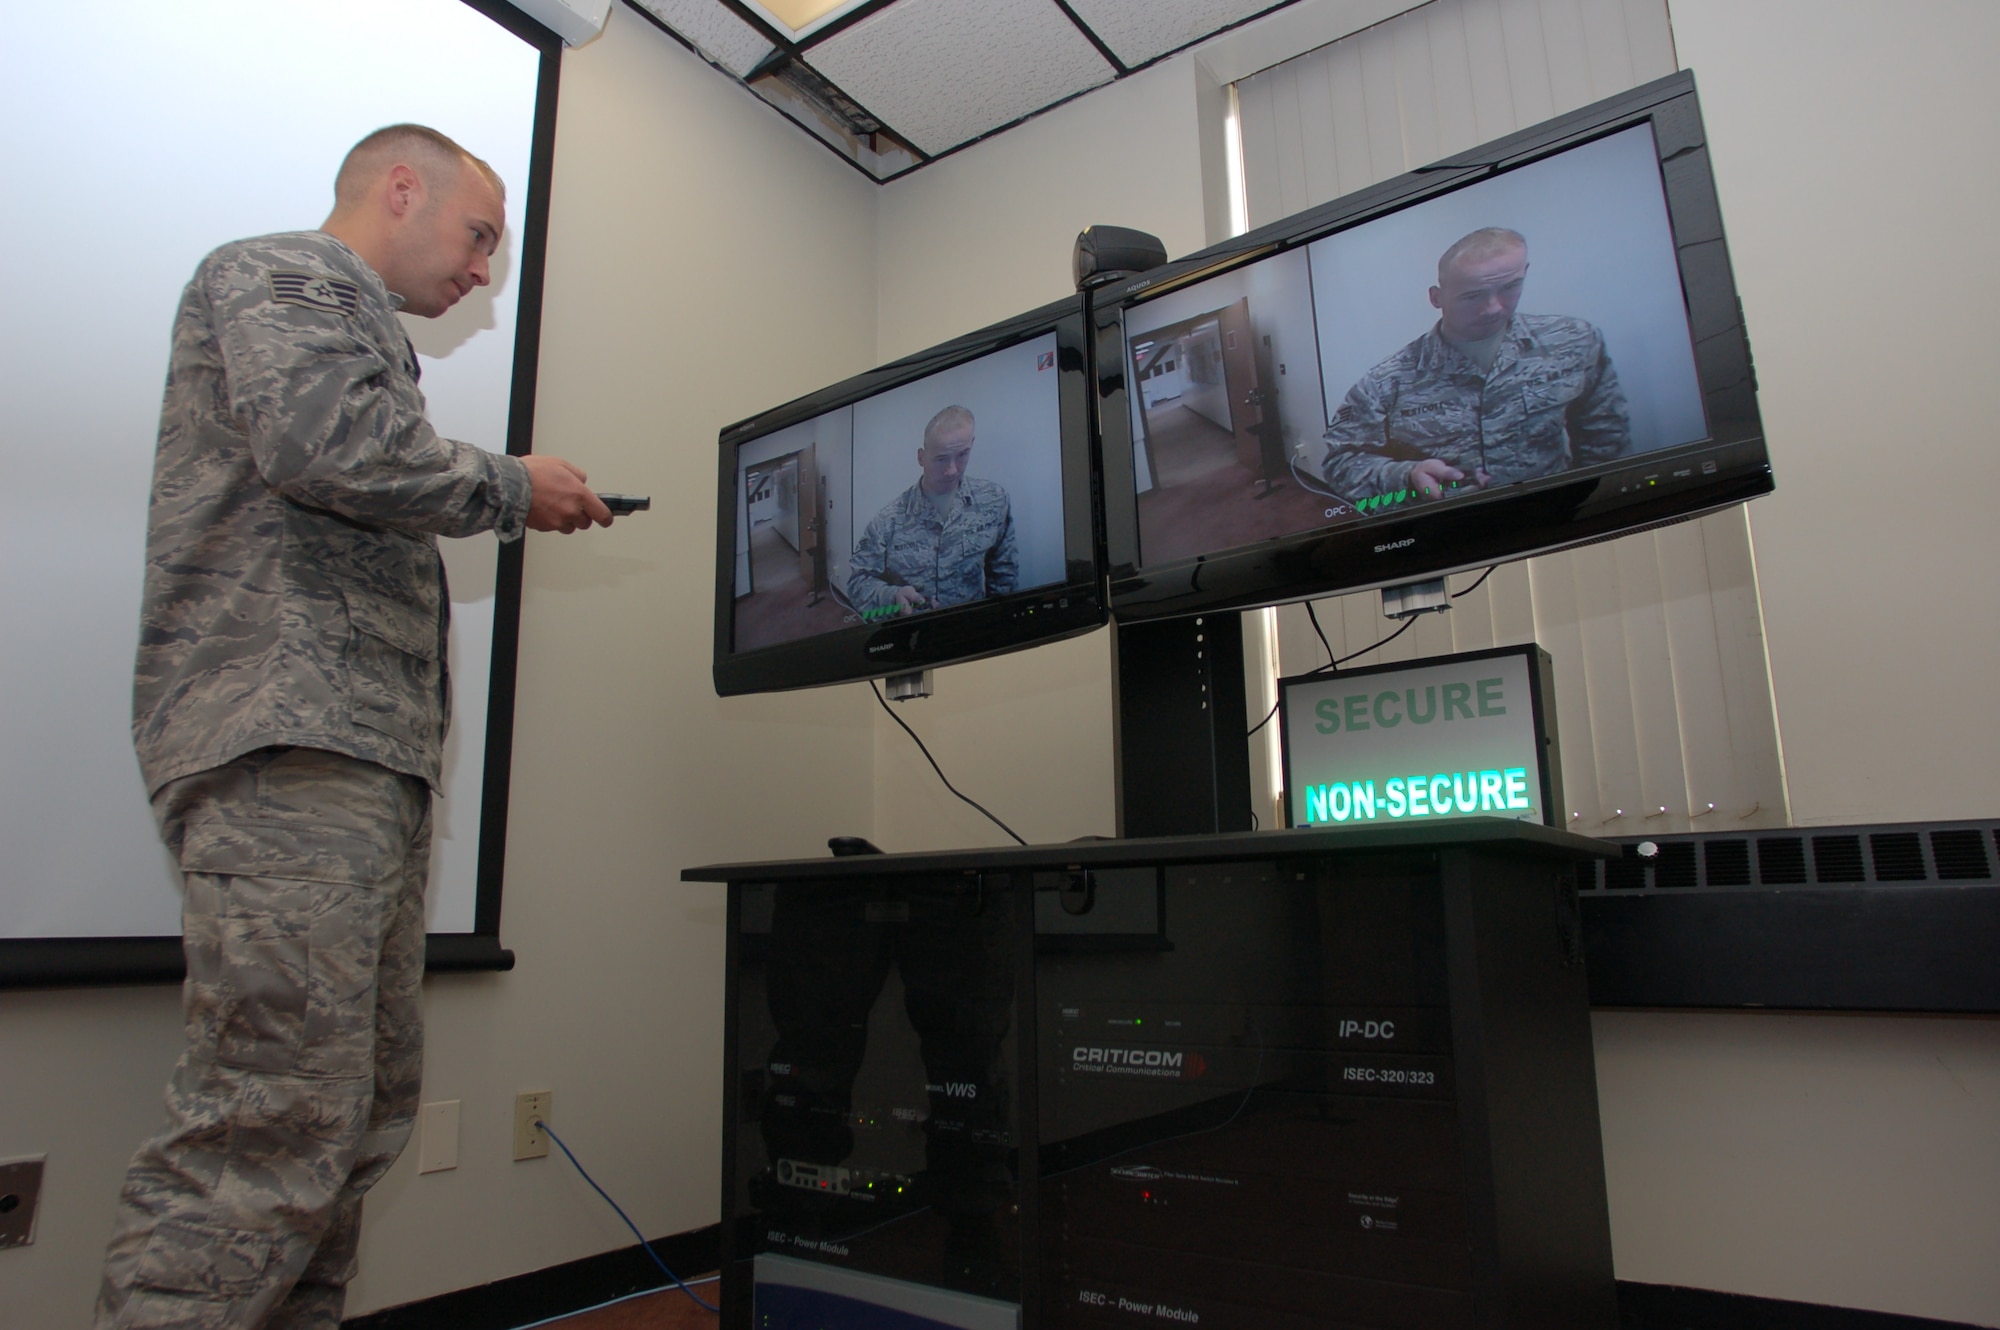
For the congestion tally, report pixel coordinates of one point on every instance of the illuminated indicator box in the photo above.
(1470, 735)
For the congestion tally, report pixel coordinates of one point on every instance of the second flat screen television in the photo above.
(1532, 345)
(938, 509)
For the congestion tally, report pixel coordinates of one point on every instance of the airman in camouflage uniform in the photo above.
(1488, 396)
(290, 705)
(945, 540)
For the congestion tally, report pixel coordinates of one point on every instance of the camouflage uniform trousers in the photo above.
(304, 934)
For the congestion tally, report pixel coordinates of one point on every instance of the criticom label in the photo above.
(1159, 1063)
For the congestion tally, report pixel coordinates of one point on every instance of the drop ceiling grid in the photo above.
(1138, 32)
(715, 31)
(943, 72)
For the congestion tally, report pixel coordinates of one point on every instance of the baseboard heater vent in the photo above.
(1821, 856)
(1889, 917)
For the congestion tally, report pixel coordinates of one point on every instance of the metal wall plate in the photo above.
(20, 1190)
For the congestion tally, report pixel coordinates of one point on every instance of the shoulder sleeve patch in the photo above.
(315, 291)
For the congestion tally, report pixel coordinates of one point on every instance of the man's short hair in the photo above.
(1481, 244)
(952, 417)
(431, 154)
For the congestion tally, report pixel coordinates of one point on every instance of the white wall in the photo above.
(1854, 151)
(980, 236)
(1839, 1159)
(674, 234)
(1852, 1161)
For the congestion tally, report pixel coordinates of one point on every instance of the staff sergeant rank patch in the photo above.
(315, 292)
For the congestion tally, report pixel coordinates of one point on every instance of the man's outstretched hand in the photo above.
(1431, 477)
(559, 500)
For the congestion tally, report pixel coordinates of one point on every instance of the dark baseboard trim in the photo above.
(1664, 1307)
(571, 1287)
(96, 962)
(524, 1299)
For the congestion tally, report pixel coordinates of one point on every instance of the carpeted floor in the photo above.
(778, 610)
(669, 1309)
(1207, 500)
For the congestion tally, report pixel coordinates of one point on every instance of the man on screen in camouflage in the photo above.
(1488, 396)
(289, 709)
(945, 540)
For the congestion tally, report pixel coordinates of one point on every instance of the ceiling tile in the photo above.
(716, 32)
(941, 72)
(1137, 33)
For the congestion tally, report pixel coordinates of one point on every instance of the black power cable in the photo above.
(1476, 585)
(1336, 664)
(935, 767)
(1332, 664)
(1313, 614)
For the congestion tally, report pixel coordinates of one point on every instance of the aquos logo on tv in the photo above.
(1447, 738)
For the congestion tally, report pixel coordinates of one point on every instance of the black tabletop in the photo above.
(1492, 834)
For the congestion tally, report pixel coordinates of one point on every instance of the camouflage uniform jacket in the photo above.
(294, 594)
(965, 556)
(1550, 402)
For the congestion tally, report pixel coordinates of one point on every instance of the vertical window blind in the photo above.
(1663, 687)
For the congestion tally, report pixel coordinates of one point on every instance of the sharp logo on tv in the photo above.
(1396, 545)
(1160, 1063)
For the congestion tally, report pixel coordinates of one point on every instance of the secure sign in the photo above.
(1457, 736)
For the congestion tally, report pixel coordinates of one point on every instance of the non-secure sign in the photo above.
(1444, 738)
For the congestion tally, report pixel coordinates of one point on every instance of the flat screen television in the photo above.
(1531, 345)
(935, 510)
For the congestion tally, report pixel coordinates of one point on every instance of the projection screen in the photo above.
(143, 136)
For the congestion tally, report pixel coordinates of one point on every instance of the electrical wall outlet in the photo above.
(20, 1189)
(437, 1136)
(530, 1141)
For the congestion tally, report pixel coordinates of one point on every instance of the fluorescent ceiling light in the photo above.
(801, 17)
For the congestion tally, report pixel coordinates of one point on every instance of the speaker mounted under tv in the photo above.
(935, 510)
(1531, 345)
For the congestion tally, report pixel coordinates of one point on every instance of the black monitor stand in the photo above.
(1183, 763)
(1183, 754)
(1190, 1076)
